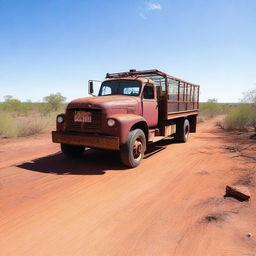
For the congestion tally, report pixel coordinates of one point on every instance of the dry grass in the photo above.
(211, 109)
(12, 125)
(7, 125)
(18, 119)
(32, 125)
(241, 118)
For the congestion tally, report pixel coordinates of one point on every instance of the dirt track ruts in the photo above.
(172, 204)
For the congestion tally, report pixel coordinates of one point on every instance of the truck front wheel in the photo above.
(182, 131)
(132, 152)
(72, 150)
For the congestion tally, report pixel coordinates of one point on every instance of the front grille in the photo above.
(93, 126)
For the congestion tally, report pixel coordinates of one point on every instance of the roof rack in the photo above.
(134, 72)
(151, 73)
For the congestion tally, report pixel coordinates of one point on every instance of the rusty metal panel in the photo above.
(173, 107)
(182, 114)
(190, 106)
(89, 140)
(182, 106)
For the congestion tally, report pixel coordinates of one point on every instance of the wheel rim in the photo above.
(137, 149)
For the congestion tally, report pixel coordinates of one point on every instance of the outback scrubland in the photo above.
(19, 119)
(236, 116)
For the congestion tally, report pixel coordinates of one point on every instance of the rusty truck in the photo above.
(132, 110)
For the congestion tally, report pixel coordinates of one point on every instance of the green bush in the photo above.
(55, 101)
(7, 125)
(241, 118)
(209, 109)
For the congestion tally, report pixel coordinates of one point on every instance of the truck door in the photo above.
(149, 105)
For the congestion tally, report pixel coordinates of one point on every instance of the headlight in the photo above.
(111, 122)
(60, 119)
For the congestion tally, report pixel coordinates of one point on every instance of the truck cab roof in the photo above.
(133, 78)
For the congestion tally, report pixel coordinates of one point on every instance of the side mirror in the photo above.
(90, 87)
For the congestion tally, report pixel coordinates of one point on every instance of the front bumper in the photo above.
(88, 140)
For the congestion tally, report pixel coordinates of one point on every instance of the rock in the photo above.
(231, 149)
(249, 235)
(241, 193)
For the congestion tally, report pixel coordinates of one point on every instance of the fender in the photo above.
(125, 122)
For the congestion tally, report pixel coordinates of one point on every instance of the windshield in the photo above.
(121, 87)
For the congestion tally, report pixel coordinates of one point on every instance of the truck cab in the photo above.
(128, 113)
(130, 96)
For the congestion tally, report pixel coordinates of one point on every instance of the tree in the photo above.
(213, 100)
(250, 97)
(11, 104)
(55, 100)
(11, 100)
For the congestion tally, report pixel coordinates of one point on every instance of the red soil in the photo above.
(172, 204)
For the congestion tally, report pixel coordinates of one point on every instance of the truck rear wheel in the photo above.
(132, 152)
(182, 131)
(72, 151)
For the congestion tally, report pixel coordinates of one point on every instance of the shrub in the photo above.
(26, 118)
(240, 118)
(250, 96)
(32, 125)
(7, 125)
(11, 104)
(210, 109)
(55, 100)
(14, 126)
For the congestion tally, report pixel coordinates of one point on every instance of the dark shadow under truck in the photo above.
(132, 109)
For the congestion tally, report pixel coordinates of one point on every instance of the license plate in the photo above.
(83, 117)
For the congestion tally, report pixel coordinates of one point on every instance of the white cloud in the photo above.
(142, 15)
(150, 6)
(154, 6)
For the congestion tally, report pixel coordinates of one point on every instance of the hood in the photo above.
(105, 102)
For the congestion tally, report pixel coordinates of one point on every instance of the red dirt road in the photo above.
(172, 204)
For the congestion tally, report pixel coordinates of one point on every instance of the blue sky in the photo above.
(49, 46)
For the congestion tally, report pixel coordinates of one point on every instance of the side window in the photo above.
(148, 92)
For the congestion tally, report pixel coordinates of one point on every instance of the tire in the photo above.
(182, 131)
(72, 151)
(132, 152)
